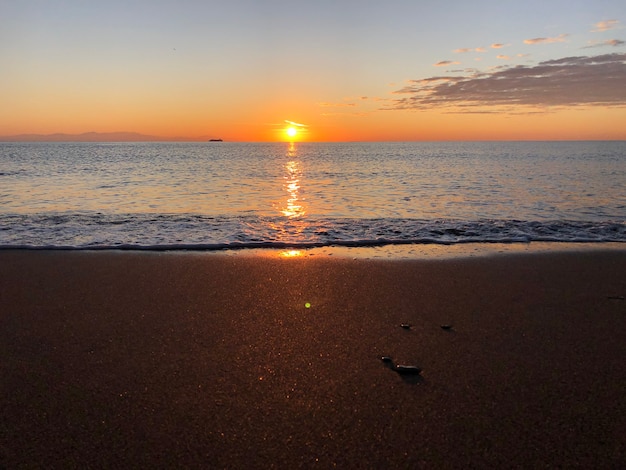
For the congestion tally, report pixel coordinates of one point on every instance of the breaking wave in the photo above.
(97, 231)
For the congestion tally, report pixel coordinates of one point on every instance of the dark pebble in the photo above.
(407, 370)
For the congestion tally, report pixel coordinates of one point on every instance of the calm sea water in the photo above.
(220, 195)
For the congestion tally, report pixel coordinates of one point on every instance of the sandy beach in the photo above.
(154, 360)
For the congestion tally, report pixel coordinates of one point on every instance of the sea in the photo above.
(231, 196)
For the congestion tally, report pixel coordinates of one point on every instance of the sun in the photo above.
(294, 131)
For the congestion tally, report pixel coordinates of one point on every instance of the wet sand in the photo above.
(114, 359)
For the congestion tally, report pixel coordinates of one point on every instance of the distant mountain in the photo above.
(96, 137)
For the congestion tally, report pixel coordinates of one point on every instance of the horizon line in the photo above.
(138, 137)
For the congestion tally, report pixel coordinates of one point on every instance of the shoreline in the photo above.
(432, 251)
(391, 251)
(213, 359)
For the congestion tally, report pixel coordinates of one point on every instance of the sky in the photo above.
(333, 70)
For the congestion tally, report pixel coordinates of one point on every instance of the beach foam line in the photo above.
(189, 230)
(306, 245)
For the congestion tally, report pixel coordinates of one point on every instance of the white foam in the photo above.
(192, 232)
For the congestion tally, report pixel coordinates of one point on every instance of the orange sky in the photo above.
(347, 71)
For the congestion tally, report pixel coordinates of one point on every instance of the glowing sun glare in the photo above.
(291, 253)
(291, 131)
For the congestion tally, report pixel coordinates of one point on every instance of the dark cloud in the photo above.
(570, 81)
(443, 63)
(610, 42)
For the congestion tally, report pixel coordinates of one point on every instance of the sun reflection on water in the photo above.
(293, 174)
(292, 206)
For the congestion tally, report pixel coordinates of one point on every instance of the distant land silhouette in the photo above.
(98, 137)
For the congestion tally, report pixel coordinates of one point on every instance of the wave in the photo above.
(97, 231)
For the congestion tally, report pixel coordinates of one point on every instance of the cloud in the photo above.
(610, 42)
(335, 105)
(443, 63)
(465, 50)
(503, 57)
(297, 124)
(605, 26)
(498, 45)
(570, 81)
(559, 38)
(361, 114)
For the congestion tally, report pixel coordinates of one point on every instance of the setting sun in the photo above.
(513, 79)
